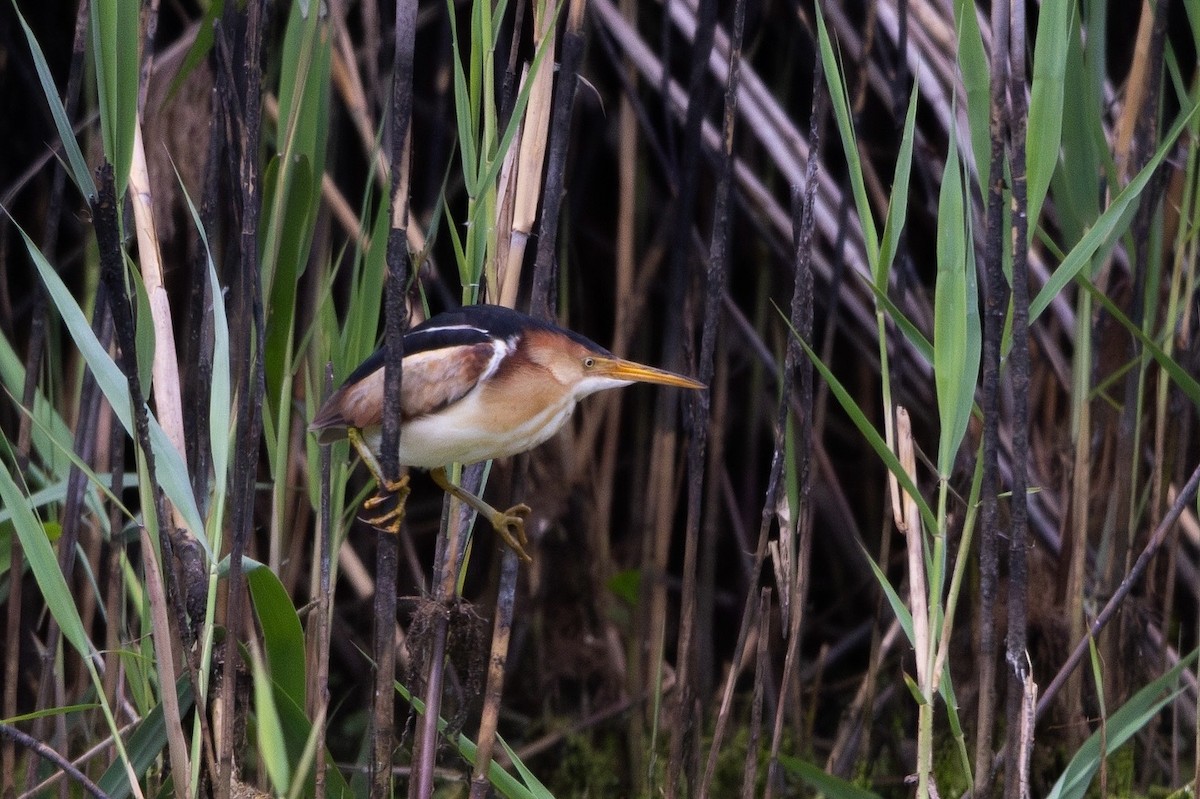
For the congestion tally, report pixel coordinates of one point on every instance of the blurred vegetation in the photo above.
(932, 528)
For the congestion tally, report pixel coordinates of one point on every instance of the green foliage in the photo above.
(1122, 725)
(322, 303)
(172, 474)
(1044, 132)
(1109, 226)
(145, 745)
(958, 333)
(115, 37)
(79, 172)
(825, 783)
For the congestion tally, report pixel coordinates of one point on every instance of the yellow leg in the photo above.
(509, 524)
(389, 490)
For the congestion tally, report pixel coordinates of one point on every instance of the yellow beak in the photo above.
(619, 369)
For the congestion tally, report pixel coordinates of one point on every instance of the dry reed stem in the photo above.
(11, 734)
(857, 300)
(318, 689)
(346, 79)
(242, 96)
(1017, 657)
(762, 664)
(1137, 92)
(530, 155)
(164, 651)
(517, 203)
(168, 405)
(1186, 494)
(694, 590)
(501, 635)
(502, 276)
(909, 523)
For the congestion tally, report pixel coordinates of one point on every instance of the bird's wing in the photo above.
(441, 364)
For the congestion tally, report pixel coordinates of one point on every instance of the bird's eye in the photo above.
(588, 363)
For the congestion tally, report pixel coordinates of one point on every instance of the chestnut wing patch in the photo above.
(433, 379)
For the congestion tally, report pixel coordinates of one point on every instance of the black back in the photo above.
(470, 324)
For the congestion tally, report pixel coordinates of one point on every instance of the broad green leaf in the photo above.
(201, 45)
(144, 336)
(146, 745)
(956, 346)
(283, 635)
(292, 194)
(467, 125)
(297, 732)
(973, 65)
(294, 226)
(1077, 181)
(360, 331)
(271, 748)
(1044, 130)
(116, 39)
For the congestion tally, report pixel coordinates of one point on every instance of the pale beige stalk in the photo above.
(531, 158)
(164, 646)
(168, 406)
(909, 522)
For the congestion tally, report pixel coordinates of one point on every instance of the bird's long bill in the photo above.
(620, 369)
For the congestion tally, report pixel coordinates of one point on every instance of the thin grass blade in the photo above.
(1110, 225)
(171, 473)
(1132, 717)
(76, 163)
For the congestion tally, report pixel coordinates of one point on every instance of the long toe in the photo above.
(390, 519)
(388, 522)
(510, 526)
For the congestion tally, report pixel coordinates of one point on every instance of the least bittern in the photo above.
(480, 382)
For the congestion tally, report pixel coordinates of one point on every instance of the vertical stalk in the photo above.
(995, 303)
(700, 404)
(541, 301)
(1016, 771)
(318, 693)
(249, 376)
(396, 321)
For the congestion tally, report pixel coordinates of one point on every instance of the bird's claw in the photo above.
(394, 491)
(510, 525)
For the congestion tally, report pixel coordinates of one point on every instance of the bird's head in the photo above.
(584, 367)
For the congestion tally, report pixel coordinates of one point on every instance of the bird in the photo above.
(478, 383)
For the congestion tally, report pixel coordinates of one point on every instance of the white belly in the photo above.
(466, 433)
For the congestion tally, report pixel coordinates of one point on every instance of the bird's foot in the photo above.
(510, 525)
(395, 493)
